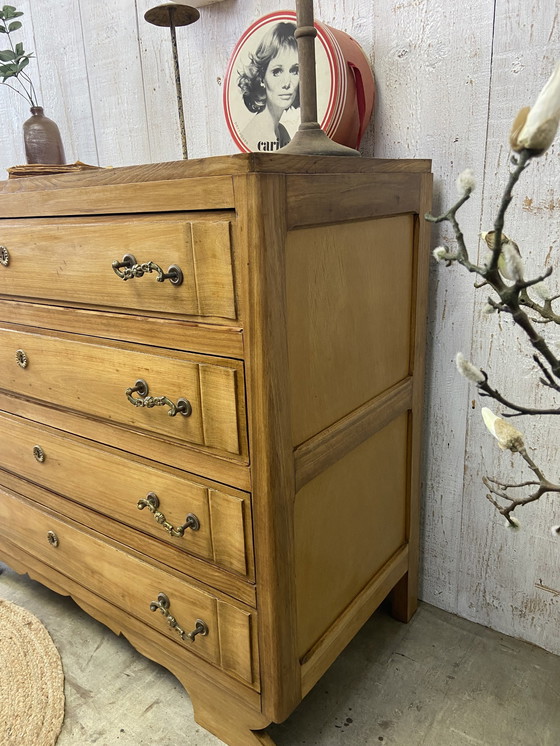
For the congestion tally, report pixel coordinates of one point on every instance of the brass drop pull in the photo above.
(52, 538)
(4, 256)
(128, 268)
(163, 604)
(39, 454)
(151, 501)
(21, 359)
(183, 406)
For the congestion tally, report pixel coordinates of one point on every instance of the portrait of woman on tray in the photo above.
(269, 84)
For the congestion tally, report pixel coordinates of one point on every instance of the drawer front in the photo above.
(136, 587)
(70, 261)
(203, 521)
(93, 378)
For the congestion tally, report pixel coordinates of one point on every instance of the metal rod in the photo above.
(178, 84)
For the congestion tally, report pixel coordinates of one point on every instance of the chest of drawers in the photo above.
(210, 410)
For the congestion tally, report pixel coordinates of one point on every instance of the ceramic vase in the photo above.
(42, 139)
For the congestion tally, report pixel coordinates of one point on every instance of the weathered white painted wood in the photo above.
(433, 91)
(507, 579)
(110, 35)
(64, 76)
(14, 110)
(449, 82)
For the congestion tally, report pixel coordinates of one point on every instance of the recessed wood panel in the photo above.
(349, 306)
(348, 522)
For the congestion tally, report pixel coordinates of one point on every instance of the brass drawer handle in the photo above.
(4, 256)
(39, 454)
(151, 501)
(163, 604)
(143, 400)
(21, 359)
(52, 538)
(128, 268)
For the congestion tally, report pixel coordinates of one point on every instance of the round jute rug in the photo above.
(31, 680)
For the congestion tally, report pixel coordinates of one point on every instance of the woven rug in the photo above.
(31, 680)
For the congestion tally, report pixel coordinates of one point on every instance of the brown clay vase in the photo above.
(42, 139)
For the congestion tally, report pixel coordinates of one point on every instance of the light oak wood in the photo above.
(166, 451)
(325, 651)
(47, 262)
(301, 458)
(348, 319)
(239, 164)
(192, 336)
(322, 450)
(213, 193)
(93, 563)
(194, 673)
(262, 223)
(322, 199)
(115, 485)
(349, 521)
(163, 555)
(92, 377)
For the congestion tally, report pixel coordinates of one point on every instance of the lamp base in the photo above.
(310, 139)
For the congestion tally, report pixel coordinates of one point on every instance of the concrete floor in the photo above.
(438, 681)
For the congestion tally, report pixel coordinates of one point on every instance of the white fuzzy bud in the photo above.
(442, 255)
(508, 437)
(513, 261)
(542, 291)
(468, 370)
(555, 531)
(542, 121)
(465, 181)
(514, 525)
(488, 309)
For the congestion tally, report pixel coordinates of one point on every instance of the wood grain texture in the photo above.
(90, 561)
(349, 521)
(243, 700)
(89, 377)
(349, 197)
(214, 193)
(262, 222)
(348, 322)
(187, 336)
(319, 452)
(224, 532)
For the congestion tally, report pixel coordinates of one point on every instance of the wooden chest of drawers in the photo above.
(210, 410)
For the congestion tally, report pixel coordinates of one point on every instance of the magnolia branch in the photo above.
(498, 489)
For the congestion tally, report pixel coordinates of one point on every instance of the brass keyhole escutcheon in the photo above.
(39, 454)
(21, 359)
(52, 538)
(4, 256)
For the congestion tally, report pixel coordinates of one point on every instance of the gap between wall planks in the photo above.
(450, 78)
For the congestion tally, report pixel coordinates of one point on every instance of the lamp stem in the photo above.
(178, 84)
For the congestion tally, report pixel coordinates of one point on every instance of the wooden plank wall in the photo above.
(450, 78)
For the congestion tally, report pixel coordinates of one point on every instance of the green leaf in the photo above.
(23, 64)
(19, 48)
(14, 26)
(7, 55)
(18, 14)
(3, 30)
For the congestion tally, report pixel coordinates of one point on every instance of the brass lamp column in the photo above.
(310, 139)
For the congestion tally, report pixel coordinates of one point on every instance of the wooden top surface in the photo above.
(228, 165)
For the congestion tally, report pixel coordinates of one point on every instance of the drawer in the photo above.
(69, 260)
(92, 376)
(228, 637)
(155, 501)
